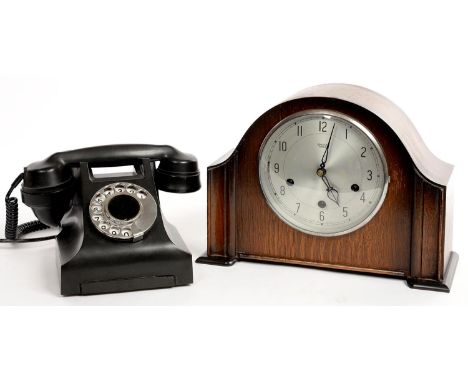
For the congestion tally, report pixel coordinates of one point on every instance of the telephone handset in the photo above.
(49, 184)
(113, 236)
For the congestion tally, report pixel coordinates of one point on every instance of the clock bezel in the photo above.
(354, 122)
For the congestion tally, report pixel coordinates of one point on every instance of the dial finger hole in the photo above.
(99, 198)
(97, 218)
(96, 209)
(114, 230)
(126, 233)
(141, 194)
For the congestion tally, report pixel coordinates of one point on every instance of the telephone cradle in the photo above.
(113, 235)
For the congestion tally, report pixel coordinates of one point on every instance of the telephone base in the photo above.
(91, 262)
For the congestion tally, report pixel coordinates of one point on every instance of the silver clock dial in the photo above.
(323, 173)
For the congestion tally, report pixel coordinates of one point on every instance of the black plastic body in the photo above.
(59, 191)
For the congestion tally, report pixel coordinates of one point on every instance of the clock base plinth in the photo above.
(216, 260)
(424, 284)
(438, 286)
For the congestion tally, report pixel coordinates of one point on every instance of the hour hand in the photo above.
(332, 193)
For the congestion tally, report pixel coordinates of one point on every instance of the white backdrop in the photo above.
(196, 75)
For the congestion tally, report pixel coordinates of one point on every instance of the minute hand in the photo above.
(325, 154)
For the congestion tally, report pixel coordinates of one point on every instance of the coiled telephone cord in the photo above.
(13, 231)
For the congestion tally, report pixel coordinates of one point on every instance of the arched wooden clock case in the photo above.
(409, 237)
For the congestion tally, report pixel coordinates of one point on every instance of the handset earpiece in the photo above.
(178, 173)
(48, 188)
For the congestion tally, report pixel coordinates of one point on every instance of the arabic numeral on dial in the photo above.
(322, 216)
(282, 190)
(276, 168)
(363, 197)
(363, 152)
(299, 130)
(346, 132)
(345, 212)
(369, 174)
(298, 206)
(282, 145)
(322, 126)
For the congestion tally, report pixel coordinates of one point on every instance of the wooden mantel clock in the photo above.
(335, 177)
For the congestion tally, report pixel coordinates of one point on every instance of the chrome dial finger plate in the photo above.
(130, 224)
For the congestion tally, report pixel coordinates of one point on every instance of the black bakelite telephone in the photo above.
(113, 237)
